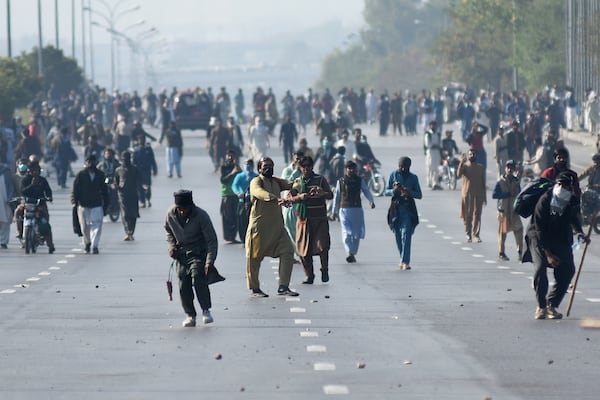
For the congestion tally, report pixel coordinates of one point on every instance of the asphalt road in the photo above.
(459, 325)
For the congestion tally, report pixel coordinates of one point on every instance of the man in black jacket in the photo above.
(90, 196)
(549, 240)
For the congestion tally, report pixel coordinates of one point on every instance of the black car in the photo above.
(192, 111)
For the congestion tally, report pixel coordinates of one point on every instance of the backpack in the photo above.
(527, 199)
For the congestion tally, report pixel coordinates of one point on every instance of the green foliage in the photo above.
(59, 70)
(18, 85)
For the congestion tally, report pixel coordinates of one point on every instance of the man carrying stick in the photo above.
(549, 244)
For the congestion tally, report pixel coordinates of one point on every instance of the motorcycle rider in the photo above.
(35, 187)
(592, 173)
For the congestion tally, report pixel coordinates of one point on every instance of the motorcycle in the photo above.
(374, 180)
(113, 210)
(35, 227)
(448, 170)
(590, 203)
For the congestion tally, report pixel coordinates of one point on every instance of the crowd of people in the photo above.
(287, 217)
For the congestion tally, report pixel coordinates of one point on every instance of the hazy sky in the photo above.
(192, 19)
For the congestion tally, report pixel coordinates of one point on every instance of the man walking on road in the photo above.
(473, 194)
(193, 245)
(90, 196)
(266, 235)
(505, 191)
(229, 200)
(549, 241)
(127, 180)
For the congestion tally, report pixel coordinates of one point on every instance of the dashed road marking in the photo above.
(297, 309)
(78, 250)
(316, 348)
(490, 262)
(33, 279)
(502, 267)
(456, 243)
(54, 268)
(302, 321)
(44, 273)
(275, 267)
(447, 237)
(62, 262)
(70, 256)
(309, 334)
(424, 220)
(517, 272)
(466, 248)
(324, 366)
(477, 255)
(593, 299)
(431, 226)
(292, 299)
(336, 389)
(21, 285)
(7, 291)
(438, 232)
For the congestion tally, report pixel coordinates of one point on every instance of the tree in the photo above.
(18, 85)
(59, 70)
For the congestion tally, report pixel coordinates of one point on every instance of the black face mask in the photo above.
(267, 172)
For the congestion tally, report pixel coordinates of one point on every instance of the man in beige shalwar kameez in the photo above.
(473, 195)
(266, 235)
(507, 188)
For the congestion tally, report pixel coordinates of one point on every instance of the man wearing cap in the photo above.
(403, 218)
(90, 196)
(346, 201)
(266, 235)
(549, 239)
(193, 244)
(505, 191)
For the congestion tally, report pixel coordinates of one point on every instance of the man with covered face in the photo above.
(404, 187)
(549, 244)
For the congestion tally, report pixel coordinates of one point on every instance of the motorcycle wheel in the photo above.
(114, 215)
(29, 238)
(596, 226)
(377, 185)
(451, 180)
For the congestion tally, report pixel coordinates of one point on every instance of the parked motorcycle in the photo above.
(590, 203)
(35, 226)
(375, 181)
(113, 199)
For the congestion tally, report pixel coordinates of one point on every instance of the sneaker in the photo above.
(551, 313)
(95, 251)
(503, 257)
(540, 313)
(325, 276)
(51, 250)
(206, 317)
(351, 258)
(258, 293)
(285, 291)
(88, 247)
(309, 280)
(4, 246)
(469, 240)
(477, 239)
(127, 238)
(189, 322)
(405, 266)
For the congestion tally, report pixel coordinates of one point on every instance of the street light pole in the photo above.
(83, 36)
(93, 75)
(9, 35)
(73, 29)
(56, 21)
(40, 58)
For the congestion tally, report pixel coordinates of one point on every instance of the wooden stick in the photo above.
(592, 222)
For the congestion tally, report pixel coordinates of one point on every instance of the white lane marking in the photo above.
(274, 261)
(77, 250)
(431, 226)
(275, 267)
(424, 220)
(316, 348)
(292, 299)
(447, 237)
(70, 256)
(8, 291)
(54, 268)
(438, 232)
(44, 273)
(33, 279)
(336, 389)
(309, 334)
(503, 267)
(297, 309)
(22, 285)
(456, 242)
(490, 262)
(477, 255)
(592, 299)
(302, 321)
(324, 366)
(62, 262)
(466, 248)
(517, 272)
